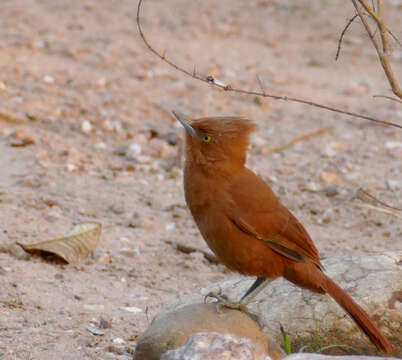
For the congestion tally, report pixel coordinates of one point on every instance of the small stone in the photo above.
(131, 309)
(141, 139)
(143, 159)
(118, 341)
(95, 330)
(3, 86)
(330, 190)
(216, 346)
(160, 148)
(258, 142)
(332, 149)
(129, 252)
(48, 79)
(171, 138)
(71, 167)
(329, 178)
(94, 307)
(133, 150)
(86, 127)
(104, 324)
(393, 144)
(170, 226)
(104, 260)
(115, 349)
(118, 209)
(20, 138)
(394, 184)
(100, 146)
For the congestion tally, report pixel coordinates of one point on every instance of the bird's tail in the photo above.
(358, 315)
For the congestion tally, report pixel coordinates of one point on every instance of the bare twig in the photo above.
(227, 87)
(298, 139)
(361, 190)
(376, 208)
(388, 97)
(384, 53)
(395, 38)
(343, 34)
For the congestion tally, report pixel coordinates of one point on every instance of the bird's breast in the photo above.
(237, 250)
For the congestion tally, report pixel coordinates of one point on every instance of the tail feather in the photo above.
(358, 315)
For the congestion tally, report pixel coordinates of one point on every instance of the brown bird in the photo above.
(244, 223)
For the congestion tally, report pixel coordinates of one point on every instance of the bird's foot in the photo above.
(223, 301)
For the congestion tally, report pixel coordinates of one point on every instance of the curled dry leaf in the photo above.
(75, 246)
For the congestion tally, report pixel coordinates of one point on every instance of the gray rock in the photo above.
(306, 356)
(374, 281)
(170, 330)
(216, 346)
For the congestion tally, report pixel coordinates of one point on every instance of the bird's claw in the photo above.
(223, 301)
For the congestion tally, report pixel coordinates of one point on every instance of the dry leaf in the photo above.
(75, 246)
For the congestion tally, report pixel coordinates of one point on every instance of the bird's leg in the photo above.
(259, 284)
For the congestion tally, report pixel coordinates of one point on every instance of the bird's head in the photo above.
(220, 141)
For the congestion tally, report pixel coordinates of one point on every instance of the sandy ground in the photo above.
(86, 134)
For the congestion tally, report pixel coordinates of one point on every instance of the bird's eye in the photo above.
(206, 138)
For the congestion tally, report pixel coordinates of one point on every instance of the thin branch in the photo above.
(387, 97)
(298, 139)
(372, 197)
(395, 38)
(227, 87)
(343, 34)
(376, 208)
(383, 54)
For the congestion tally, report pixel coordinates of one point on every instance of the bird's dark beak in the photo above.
(186, 122)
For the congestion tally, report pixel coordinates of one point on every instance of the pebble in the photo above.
(129, 252)
(95, 330)
(94, 307)
(330, 190)
(136, 221)
(118, 341)
(100, 146)
(394, 184)
(131, 309)
(86, 127)
(20, 138)
(71, 167)
(48, 79)
(332, 149)
(104, 260)
(104, 324)
(170, 226)
(171, 138)
(393, 144)
(160, 148)
(115, 349)
(133, 150)
(3, 86)
(329, 178)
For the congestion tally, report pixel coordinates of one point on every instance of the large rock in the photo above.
(374, 281)
(216, 346)
(308, 356)
(170, 330)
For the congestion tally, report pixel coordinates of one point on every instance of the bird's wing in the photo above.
(255, 210)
